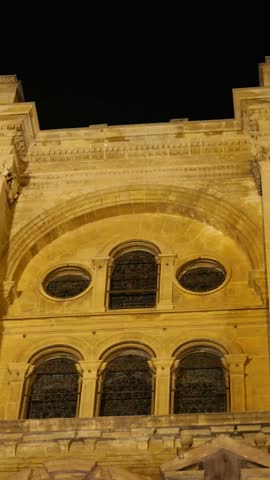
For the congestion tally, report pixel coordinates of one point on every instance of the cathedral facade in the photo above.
(134, 293)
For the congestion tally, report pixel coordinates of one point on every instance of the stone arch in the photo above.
(200, 383)
(122, 247)
(127, 381)
(225, 347)
(123, 340)
(113, 350)
(197, 204)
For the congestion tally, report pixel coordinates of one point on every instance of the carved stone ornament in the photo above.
(256, 174)
(260, 154)
(12, 183)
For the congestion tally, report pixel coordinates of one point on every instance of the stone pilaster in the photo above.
(162, 368)
(165, 283)
(236, 366)
(18, 373)
(89, 372)
(100, 266)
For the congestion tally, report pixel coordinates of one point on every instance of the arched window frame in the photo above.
(36, 361)
(182, 355)
(126, 247)
(122, 350)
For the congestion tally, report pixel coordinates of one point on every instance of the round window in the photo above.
(202, 275)
(66, 282)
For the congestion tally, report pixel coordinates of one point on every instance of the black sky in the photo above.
(86, 66)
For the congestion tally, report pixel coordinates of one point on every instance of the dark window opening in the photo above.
(133, 281)
(127, 387)
(200, 385)
(54, 391)
(66, 282)
(202, 275)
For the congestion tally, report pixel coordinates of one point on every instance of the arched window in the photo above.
(53, 389)
(200, 384)
(133, 282)
(127, 386)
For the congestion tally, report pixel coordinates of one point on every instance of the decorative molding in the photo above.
(105, 149)
(186, 172)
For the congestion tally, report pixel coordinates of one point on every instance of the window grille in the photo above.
(54, 390)
(66, 282)
(133, 281)
(200, 385)
(127, 387)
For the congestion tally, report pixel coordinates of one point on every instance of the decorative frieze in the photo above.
(105, 149)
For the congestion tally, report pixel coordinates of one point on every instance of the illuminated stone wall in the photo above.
(192, 194)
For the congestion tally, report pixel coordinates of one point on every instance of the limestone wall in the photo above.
(190, 190)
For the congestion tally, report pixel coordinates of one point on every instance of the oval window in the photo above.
(66, 282)
(202, 275)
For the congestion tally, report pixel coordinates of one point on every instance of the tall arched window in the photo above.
(133, 282)
(53, 389)
(127, 386)
(200, 384)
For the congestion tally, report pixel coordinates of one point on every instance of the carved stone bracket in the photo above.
(12, 182)
(257, 281)
(260, 153)
(9, 292)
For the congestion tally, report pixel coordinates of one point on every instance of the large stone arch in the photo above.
(195, 204)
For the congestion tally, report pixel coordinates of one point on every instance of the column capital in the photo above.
(19, 371)
(90, 369)
(162, 366)
(100, 262)
(169, 256)
(235, 362)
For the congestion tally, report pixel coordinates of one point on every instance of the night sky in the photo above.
(103, 66)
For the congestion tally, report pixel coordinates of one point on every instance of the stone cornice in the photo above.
(19, 121)
(138, 131)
